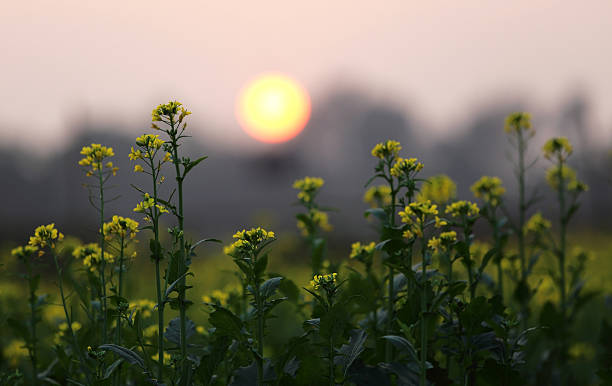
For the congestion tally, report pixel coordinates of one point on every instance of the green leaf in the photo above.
(193, 247)
(226, 323)
(174, 283)
(268, 288)
(260, 265)
(379, 213)
(351, 351)
(173, 331)
(403, 345)
(128, 355)
(192, 164)
(109, 370)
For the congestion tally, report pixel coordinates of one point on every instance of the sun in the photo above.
(273, 108)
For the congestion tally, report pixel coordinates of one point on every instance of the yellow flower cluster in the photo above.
(405, 166)
(559, 147)
(439, 189)
(248, 240)
(555, 175)
(387, 149)
(518, 122)
(308, 187)
(357, 249)
(167, 358)
(443, 242)
(150, 331)
(150, 141)
(144, 306)
(63, 330)
(324, 281)
(489, 189)
(147, 203)
(94, 158)
(23, 252)
(90, 254)
(462, 208)
(319, 219)
(120, 226)
(149, 145)
(415, 214)
(15, 351)
(378, 196)
(216, 296)
(168, 110)
(537, 224)
(44, 235)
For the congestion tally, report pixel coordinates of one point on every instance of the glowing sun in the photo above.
(273, 108)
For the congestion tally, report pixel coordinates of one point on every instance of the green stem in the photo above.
(32, 345)
(260, 335)
(391, 298)
(562, 254)
(75, 342)
(160, 303)
(102, 259)
(117, 374)
(181, 260)
(423, 309)
(330, 358)
(521, 224)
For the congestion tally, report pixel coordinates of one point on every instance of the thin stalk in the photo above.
(117, 374)
(423, 310)
(102, 259)
(391, 298)
(32, 345)
(472, 285)
(562, 251)
(75, 342)
(181, 260)
(330, 358)
(521, 223)
(160, 305)
(260, 334)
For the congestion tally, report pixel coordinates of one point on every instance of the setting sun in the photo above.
(273, 108)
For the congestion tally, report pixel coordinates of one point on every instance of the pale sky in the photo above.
(115, 60)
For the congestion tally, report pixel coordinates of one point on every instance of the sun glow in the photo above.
(273, 108)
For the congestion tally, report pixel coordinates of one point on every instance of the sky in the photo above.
(113, 61)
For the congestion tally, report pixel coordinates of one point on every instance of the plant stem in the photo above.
(260, 333)
(160, 303)
(75, 342)
(562, 254)
(521, 224)
(391, 298)
(102, 259)
(117, 374)
(32, 345)
(181, 260)
(423, 309)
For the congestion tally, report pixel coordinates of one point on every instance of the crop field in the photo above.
(429, 301)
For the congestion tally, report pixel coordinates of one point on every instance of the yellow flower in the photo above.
(138, 168)
(489, 189)
(319, 219)
(149, 141)
(555, 175)
(387, 149)
(418, 210)
(144, 306)
(559, 147)
(168, 110)
(135, 154)
(439, 189)
(325, 281)
(537, 224)
(15, 351)
(405, 167)
(94, 158)
(90, 254)
(217, 296)
(248, 240)
(23, 252)
(362, 252)
(120, 226)
(378, 196)
(518, 123)
(443, 242)
(462, 208)
(308, 188)
(167, 358)
(45, 235)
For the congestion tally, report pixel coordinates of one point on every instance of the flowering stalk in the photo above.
(149, 145)
(246, 252)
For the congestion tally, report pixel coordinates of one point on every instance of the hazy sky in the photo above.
(64, 60)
